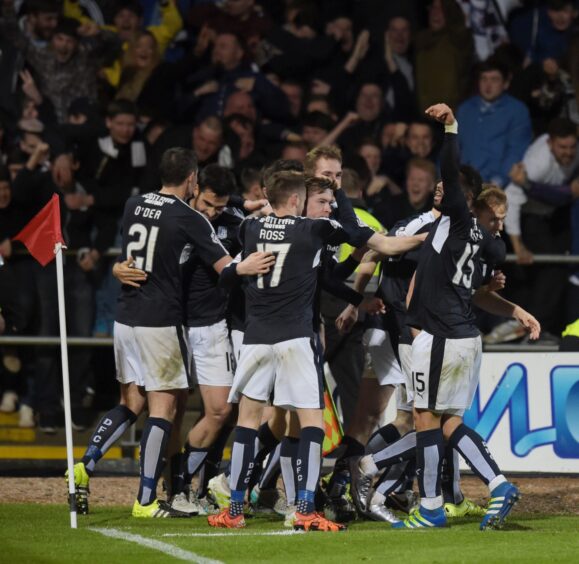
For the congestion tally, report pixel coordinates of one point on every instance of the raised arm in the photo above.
(454, 202)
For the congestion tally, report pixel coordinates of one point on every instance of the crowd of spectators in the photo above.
(93, 91)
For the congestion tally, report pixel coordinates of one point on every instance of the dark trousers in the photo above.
(345, 355)
(40, 303)
(541, 288)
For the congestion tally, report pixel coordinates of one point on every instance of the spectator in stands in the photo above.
(40, 21)
(67, 67)
(295, 48)
(12, 321)
(446, 44)
(128, 24)
(240, 17)
(294, 151)
(295, 95)
(402, 144)
(538, 217)
(317, 126)
(543, 32)
(230, 71)
(365, 122)
(495, 127)
(398, 37)
(486, 21)
(320, 103)
(415, 199)
(205, 138)
(251, 188)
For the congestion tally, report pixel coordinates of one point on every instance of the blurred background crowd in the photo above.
(93, 91)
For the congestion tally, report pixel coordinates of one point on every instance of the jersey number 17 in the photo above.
(280, 251)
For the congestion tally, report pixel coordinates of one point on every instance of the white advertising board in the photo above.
(527, 409)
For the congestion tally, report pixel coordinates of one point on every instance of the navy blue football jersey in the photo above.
(280, 304)
(441, 301)
(160, 231)
(395, 275)
(206, 302)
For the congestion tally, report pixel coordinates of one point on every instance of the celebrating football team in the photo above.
(222, 295)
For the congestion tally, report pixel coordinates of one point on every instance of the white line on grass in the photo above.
(266, 534)
(163, 547)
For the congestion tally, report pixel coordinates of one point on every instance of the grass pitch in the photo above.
(41, 533)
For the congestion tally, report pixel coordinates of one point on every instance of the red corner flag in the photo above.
(43, 232)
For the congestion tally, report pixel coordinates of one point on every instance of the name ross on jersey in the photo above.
(271, 235)
(273, 228)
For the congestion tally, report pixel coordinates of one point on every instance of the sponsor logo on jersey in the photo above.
(222, 232)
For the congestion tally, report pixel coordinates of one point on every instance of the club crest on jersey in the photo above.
(214, 238)
(222, 232)
(185, 253)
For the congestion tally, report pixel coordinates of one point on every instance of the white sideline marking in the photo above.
(163, 547)
(268, 534)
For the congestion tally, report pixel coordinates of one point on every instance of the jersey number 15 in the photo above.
(144, 239)
(280, 251)
(462, 277)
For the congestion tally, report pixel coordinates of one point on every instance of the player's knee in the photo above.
(404, 422)
(219, 415)
(449, 426)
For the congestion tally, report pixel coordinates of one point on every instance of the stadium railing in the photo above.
(18, 340)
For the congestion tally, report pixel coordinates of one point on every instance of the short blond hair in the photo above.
(325, 152)
(490, 196)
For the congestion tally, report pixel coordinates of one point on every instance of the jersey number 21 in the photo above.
(144, 239)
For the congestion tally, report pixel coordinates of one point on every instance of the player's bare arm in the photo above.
(392, 246)
(254, 264)
(497, 305)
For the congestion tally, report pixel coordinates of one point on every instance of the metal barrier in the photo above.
(537, 259)
(108, 342)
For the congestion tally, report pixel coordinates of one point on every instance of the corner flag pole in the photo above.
(65, 384)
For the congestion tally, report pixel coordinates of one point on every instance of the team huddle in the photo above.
(225, 293)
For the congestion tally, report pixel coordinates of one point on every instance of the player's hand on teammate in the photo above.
(497, 282)
(128, 274)
(441, 113)
(256, 263)
(373, 306)
(262, 206)
(529, 322)
(347, 319)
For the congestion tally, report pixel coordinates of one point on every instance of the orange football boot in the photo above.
(225, 521)
(316, 522)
